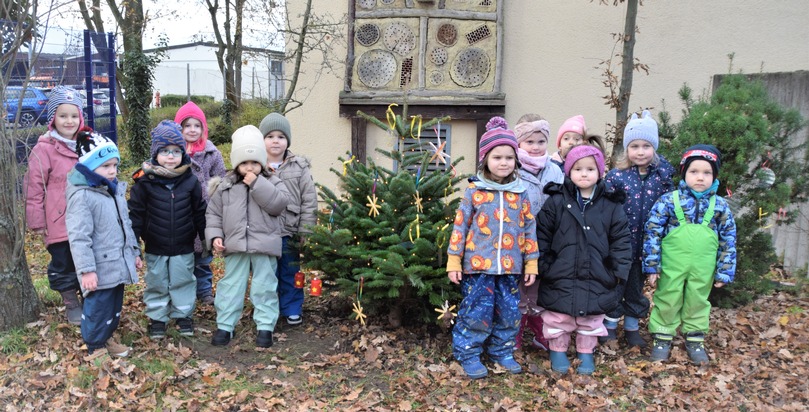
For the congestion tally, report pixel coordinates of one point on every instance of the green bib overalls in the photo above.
(688, 263)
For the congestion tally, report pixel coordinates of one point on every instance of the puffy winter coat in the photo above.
(101, 236)
(641, 194)
(584, 254)
(535, 184)
(45, 185)
(167, 213)
(663, 220)
(247, 218)
(300, 213)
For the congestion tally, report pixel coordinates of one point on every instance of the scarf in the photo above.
(157, 170)
(71, 144)
(532, 164)
(711, 189)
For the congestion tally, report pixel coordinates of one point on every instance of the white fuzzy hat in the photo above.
(248, 144)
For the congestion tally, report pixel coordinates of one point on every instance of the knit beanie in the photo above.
(64, 95)
(643, 128)
(166, 133)
(524, 130)
(276, 121)
(94, 149)
(188, 111)
(580, 152)
(575, 124)
(497, 134)
(705, 152)
(248, 144)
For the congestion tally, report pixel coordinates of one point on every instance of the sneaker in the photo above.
(157, 329)
(509, 364)
(294, 320)
(264, 339)
(116, 349)
(540, 343)
(475, 369)
(661, 347)
(695, 346)
(611, 335)
(587, 365)
(221, 337)
(206, 300)
(185, 326)
(559, 361)
(633, 338)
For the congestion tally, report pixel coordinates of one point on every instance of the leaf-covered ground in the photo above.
(759, 362)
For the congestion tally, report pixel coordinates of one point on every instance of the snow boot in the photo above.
(633, 338)
(661, 347)
(587, 365)
(695, 346)
(559, 361)
(73, 307)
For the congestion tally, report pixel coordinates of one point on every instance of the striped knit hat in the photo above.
(166, 133)
(64, 95)
(497, 134)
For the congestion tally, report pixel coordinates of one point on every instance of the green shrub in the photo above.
(176, 100)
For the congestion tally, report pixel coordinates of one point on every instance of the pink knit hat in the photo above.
(582, 151)
(575, 124)
(191, 110)
(497, 134)
(524, 130)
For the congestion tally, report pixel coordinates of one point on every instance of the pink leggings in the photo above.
(558, 327)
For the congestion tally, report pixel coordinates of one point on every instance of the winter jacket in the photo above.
(101, 236)
(584, 253)
(535, 183)
(300, 213)
(663, 220)
(641, 194)
(494, 233)
(247, 218)
(207, 164)
(167, 213)
(45, 185)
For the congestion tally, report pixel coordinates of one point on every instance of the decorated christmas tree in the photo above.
(383, 238)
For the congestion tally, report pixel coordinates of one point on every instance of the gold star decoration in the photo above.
(446, 312)
(358, 310)
(372, 203)
(438, 153)
(417, 198)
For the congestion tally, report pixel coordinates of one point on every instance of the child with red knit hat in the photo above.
(492, 249)
(585, 253)
(206, 163)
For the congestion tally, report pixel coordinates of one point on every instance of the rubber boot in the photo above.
(73, 307)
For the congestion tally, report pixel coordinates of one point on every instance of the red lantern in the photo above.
(317, 287)
(300, 280)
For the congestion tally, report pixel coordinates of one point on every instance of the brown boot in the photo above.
(73, 307)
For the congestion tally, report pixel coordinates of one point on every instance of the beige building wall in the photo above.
(551, 52)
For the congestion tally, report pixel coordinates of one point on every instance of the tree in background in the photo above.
(229, 39)
(19, 302)
(384, 238)
(764, 168)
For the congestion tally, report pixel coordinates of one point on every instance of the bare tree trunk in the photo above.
(300, 44)
(627, 70)
(229, 51)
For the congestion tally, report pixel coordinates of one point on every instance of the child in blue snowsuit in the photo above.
(493, 243)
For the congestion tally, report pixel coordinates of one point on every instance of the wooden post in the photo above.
(359, 138)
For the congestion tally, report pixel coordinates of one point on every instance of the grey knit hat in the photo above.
(276, 121)
(643, 128)
(64, 95)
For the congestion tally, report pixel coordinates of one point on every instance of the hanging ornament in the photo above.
(438, 153)
(346, 163)
(416, 223)
(441, 236)
(418, 130)
(766, 177)
(358, 311)
(372, 203)
(445, 313)
(417, 198)
(390, 116)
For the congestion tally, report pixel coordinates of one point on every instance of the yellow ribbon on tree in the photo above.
(418, 130)
(441, 236)
(346, 163)
(390, 116)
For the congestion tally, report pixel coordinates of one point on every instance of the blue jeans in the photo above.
(290, 297)
(203, 273)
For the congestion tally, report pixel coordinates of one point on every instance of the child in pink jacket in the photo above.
(45, 183)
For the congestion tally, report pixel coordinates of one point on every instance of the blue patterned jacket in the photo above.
(641, 194)
(662, 220)
(494, 233)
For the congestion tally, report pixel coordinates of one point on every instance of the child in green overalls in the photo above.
(690, 243)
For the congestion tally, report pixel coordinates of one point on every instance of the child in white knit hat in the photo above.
(242, 222)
